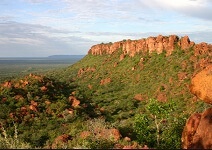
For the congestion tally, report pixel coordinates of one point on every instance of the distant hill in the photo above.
(65, 56)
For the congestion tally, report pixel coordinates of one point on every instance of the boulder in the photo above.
(44, 88)
(161, 97)
(33, 106)
(197, 131)
(105, 81)
(139, 97)
(7, 84)
(74, 101)
(201, 85)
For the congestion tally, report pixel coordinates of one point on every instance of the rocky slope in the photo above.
(197, 131)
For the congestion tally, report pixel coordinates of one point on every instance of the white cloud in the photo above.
(73, 26)
(36, 1)
(196, 8)
(22, 41)
(123, 9)
(42, 40)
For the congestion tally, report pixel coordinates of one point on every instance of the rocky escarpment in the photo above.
(151, 44)
(197, 131)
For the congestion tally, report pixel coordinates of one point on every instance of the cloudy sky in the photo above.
(39, 28)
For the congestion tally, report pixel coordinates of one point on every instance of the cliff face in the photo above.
(158, 44)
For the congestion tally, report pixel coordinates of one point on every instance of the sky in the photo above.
(40, 28)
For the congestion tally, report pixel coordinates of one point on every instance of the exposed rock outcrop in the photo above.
(197, 132)
(151, 44)
(105, 81)
(201, 84)
(139, 97)
(33, 106)
(161, 97)
(74, 101)
(202, 48)
(81, 71)
(7, 84)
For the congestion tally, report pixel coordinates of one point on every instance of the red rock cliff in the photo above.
(158, 44)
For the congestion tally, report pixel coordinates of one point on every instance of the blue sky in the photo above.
(39, 28)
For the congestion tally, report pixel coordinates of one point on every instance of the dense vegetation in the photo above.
(100, 93)
(16, 67)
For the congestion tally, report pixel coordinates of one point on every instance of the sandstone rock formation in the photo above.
(139, 97)
(7, 84)
(33, 106)
(74, 101)
(105, 81)
(202, 48)
(44, 88)
(161, 97)
(197, 132)
(201, 85)
(151, 44)
(81, 71)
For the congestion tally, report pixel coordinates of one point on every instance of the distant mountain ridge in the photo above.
(66, 56)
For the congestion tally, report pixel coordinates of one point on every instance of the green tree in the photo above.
(157, 122)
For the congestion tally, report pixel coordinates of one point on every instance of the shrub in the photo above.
(158, 126)
(95, 140)
(12, 142)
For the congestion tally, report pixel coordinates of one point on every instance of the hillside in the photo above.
(117, 88)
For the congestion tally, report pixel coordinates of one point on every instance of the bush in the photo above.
(12, 142)
(158, 126)
(95, 140)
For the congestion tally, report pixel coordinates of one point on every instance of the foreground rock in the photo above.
(197, 133)
(201, 85)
